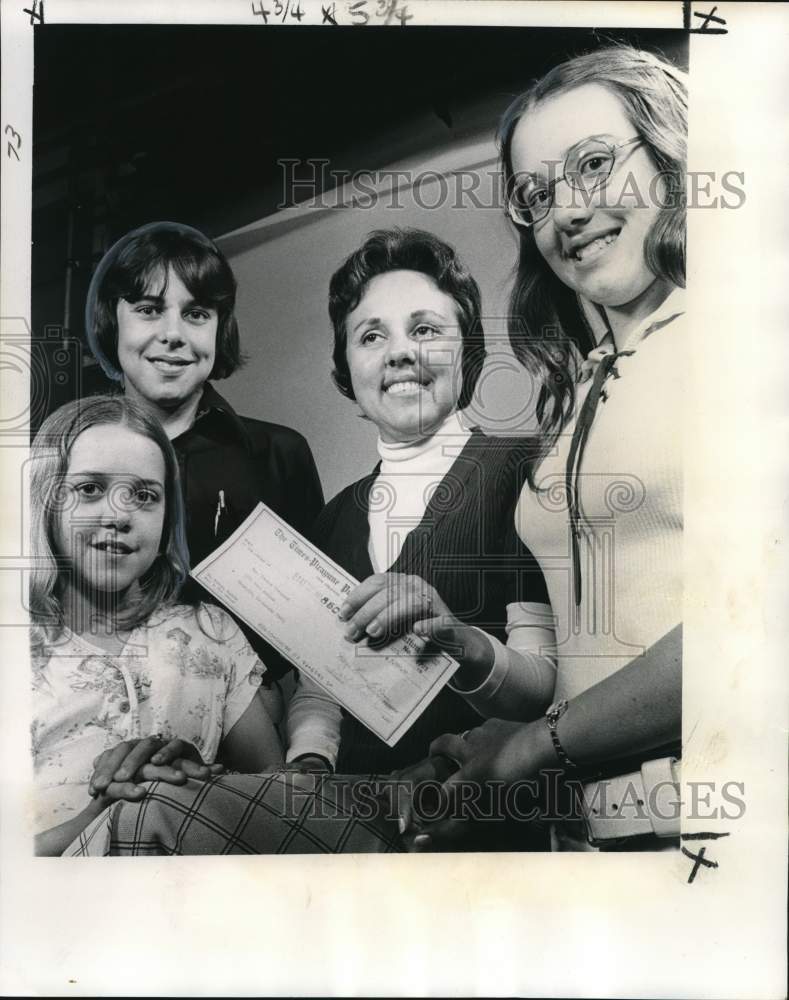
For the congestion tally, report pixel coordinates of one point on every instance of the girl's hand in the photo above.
(118, 770)
(388, 604)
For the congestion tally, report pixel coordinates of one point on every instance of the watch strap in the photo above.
(552, 716)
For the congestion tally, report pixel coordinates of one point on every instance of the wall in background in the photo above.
(190, 123)
(284, 264)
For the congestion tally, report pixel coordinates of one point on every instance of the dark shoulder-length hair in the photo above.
(138, 265)
(49, 456)
(408, 250)
(547, 327)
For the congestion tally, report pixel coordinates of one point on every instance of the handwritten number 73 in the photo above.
(14, 143)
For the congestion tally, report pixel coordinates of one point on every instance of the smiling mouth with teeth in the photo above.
(595, 247)
(408, 388)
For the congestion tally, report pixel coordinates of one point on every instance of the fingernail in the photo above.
(156, 759)
(342, 614)
(121, 775)
(375, 630)
(422, 841)
(352, 634)
(402, 826)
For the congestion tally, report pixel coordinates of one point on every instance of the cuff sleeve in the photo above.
(493, 681)
(313, 723)
(521, 681)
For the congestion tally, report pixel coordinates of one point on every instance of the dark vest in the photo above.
(467, 548)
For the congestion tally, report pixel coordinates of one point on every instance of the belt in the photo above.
(639, 803)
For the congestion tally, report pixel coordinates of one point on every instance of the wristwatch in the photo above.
(552, 716)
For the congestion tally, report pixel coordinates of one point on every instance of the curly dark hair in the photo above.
(408, 250)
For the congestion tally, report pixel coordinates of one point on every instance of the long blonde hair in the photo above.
(547, 324)
(49, 455)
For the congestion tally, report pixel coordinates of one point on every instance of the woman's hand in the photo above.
(118, 770)
(497, 751)
(417, 785)
(388, 604)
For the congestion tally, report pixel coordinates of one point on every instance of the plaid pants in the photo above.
(279, 813)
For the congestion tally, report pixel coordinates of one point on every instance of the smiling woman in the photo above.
(431, 530)
(403, 361)
(161, 322)
(593, 243)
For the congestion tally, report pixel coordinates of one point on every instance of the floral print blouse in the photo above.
(187, 672)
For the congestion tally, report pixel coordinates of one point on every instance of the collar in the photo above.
(215, 408)
(449, 437)
(672, 306)
(669, 309)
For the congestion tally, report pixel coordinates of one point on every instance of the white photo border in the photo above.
(549, 925)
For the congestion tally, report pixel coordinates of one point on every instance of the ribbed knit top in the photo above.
(630, 493)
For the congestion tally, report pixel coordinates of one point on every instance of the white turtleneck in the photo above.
(523, 671)
(409, 474)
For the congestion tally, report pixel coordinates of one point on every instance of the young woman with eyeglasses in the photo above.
(594, 171)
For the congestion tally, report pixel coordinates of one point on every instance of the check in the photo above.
(290, 593)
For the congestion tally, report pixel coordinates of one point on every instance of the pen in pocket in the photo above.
(220, 506)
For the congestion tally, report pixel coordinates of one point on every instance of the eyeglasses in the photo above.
(587, 165)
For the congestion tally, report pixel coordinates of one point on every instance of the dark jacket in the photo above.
(245, 461)
(466, 546)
